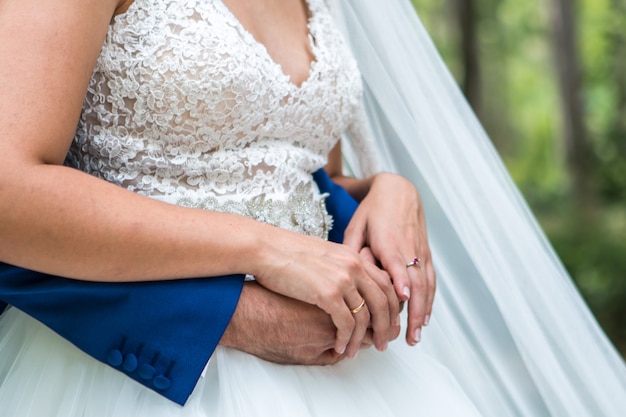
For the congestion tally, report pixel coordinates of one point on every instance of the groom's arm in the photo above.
(339, 204)
(159, 333)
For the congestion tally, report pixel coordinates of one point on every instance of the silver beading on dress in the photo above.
(303, 210)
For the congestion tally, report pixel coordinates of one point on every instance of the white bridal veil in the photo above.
(507, 321)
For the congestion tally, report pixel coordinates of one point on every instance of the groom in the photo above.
(162, 334)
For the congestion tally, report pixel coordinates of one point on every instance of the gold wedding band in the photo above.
(414, 262)
(359, 307)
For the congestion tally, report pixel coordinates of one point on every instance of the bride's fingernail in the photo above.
(353, 355)
(418, 335)
(426, 319)
(407, 292)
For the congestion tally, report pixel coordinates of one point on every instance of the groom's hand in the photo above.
(282, 330)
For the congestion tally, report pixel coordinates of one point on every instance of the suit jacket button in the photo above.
(130, 363)
(161, 382)
(146, 372)
(114, 357)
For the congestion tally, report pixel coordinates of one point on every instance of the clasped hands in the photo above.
(309, 319)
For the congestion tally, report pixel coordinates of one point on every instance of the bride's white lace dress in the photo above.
(185, 106)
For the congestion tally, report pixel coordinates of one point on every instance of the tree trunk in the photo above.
(579, 155)
(619, 74)
(472, 77)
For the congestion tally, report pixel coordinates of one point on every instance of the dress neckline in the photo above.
(262, 50)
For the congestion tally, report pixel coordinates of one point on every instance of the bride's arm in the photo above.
(59, 220)
(390, 224)
(54, 218)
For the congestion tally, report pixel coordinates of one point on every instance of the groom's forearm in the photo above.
(280, 329)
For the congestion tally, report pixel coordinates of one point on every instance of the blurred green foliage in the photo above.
(521, 112)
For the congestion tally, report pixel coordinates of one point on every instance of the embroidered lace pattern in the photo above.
(184, 103)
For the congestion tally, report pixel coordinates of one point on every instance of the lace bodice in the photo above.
(185, 105)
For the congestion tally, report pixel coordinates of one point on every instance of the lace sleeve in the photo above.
(359, 153)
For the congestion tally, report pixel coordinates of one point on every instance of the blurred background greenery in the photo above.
(548, 80)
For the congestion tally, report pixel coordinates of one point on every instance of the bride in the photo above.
(219, 112)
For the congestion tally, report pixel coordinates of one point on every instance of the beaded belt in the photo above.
(302, 211)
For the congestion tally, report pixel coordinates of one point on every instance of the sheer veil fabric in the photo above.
(507, 321)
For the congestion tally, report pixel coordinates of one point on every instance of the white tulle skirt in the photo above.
(42, 375)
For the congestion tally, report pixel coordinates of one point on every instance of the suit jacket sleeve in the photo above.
(339, 204)
(160, 334)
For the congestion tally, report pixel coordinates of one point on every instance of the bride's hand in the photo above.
(390, 221)
(336, 279)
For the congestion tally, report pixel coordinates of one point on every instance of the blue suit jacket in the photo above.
(161, 333)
